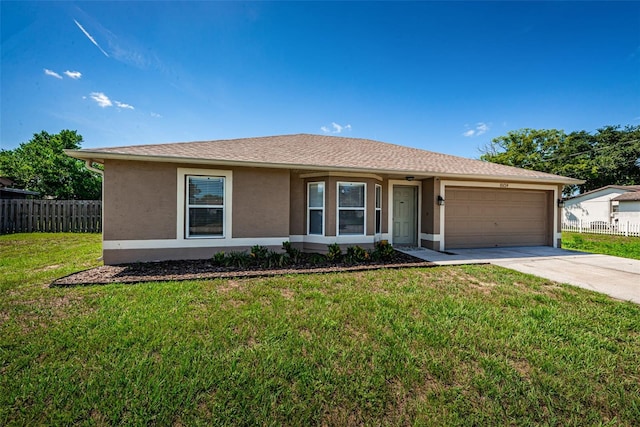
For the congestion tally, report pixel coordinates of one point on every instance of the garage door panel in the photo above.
(478, 217)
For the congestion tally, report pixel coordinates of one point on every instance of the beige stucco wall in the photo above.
(430, 213)
(385, 205)
(260, 202)
(558, 223)
(139, 200)
(430, 210)
(297, 205)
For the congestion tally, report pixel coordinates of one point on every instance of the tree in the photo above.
(610, 156)
(41, 165)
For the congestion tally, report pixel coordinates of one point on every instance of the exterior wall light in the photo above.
(409, 178)
(560, 203)
(440, 201)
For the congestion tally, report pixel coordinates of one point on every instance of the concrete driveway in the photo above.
(614, 276)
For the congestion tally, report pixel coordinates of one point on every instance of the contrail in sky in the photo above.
(91, 38)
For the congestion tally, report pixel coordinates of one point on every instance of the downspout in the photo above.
(88, 163)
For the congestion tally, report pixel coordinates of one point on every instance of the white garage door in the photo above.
(481, 217)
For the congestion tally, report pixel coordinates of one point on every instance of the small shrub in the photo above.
(218, 259)
(317, 259)
(278, 260)
(238, 259)
(260, 254)
(293, 253)
(356, 255)
(382, 251)
(335, 253)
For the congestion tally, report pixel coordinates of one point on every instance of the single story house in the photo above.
(628, 207)
(189, 200)
(598, 206)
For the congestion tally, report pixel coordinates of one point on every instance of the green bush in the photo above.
(317, 259)
(356, 255)
(335, 253)
(293, 253)
(277, 260)
(382, 251)
(219, 259)
(238, 259)
(259, 254)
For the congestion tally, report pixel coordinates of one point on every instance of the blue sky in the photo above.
(445, 77)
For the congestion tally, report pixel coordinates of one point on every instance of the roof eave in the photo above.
(100, 157)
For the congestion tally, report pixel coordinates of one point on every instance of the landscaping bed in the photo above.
(210, 269)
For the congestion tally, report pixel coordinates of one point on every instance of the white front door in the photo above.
(405, 215)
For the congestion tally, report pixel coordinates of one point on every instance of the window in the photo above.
(378, 209)
(205, 206)
(315, 208)
(351, 208)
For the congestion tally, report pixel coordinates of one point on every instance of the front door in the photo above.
(405, 215)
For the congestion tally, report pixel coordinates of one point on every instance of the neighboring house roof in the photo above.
(19, 191)
(319, 152)
(6, 186)
(623, 188)
(6, 182)
(630, 196)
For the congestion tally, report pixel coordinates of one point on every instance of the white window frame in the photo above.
(188, 207)
(315, 208)
(378, 208)
(182, 202)
(363, 208)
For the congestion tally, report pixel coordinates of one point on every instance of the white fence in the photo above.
(620, 228)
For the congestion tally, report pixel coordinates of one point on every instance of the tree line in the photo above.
(609, 156)
(41, 165)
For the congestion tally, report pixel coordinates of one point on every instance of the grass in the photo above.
(626, 247)
(472, 345)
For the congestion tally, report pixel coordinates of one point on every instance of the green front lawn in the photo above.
(626, 247)
(472, 345)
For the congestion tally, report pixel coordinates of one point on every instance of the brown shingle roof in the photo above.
(304, 151)
(630, 196)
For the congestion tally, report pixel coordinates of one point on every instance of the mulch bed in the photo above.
(204, 269)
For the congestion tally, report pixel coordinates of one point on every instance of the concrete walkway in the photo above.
(614, 276)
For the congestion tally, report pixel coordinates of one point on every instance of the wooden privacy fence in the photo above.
(53, 216)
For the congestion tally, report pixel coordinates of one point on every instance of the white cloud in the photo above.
(52, 73)
(91, 38)
(480, 129)
(156, 115)
(123, 105)
(335, 128)
(73, 74)
(102, 99)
